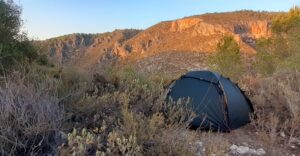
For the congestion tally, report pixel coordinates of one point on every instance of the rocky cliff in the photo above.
(196, 34)
(85, 49)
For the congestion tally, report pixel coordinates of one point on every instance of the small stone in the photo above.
(260, 151)
(245, 143)
(282, 134)
(252, 151)
(294, 141)
(199, 146)
(233, 147)
(293, 146)
(242, 149)
(199, 143)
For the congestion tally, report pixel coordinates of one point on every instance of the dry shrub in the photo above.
(72, 81)
(277, 107)
(137, 136)
(122, 145)
(164, 132)
(30, 115)
(215, 143)
(133, 118)
(107, 97)
(172, 141)
(82, 142)
(280, 92)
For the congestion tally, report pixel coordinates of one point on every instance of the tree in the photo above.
(266, 60)
(10, 21)
(15, 47)
(227, 59)
(282, 50)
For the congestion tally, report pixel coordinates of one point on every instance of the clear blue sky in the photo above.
(50, 18)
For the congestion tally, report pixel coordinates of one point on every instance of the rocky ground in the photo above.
(244, 142)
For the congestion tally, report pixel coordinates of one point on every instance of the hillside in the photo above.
(200, 33)
(84, 49)
(191, 35)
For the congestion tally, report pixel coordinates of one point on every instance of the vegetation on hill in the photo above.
(242, 15)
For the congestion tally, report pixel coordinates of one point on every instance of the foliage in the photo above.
(266, 63)
(281, 51)
(15, 47)
(83, 142)
(227, 60)
(130, 115)
(72, 80)
(287, 22)
(10, 21)
(42, 60)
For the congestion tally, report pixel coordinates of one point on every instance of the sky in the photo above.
(51, 18)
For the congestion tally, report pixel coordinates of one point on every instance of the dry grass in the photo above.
(214, 143)
(277, 102)
(30, 114)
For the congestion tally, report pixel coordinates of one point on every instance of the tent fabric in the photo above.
(219, 103)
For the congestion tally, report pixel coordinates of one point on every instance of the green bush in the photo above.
(10, 21)
(43, 60)
(287, 22)
(15, 47)
(266, 60)
(281, 51)
(227, 59)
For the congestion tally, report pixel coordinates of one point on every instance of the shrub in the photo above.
(122, 145)
(131, 117)
(265, 59)
(72, 81)
(43, 60)
(276, 101)
(10, 21)
(14, 46)
(82, 143)
(286, 22)
(30, 116)
(227, 59)
(281, 51)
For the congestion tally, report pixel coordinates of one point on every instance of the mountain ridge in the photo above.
(194, 34)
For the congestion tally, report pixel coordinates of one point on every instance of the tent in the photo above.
(219, 103)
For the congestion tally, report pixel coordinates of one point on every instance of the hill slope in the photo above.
(195, 34)
(200, 33)
(84, 50)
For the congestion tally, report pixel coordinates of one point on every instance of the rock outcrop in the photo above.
(196, 34)
(86, 49)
